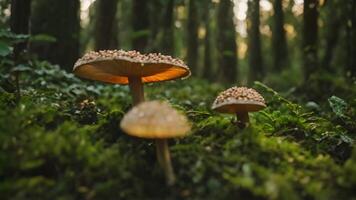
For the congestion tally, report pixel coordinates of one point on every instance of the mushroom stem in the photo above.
(136, 88)
(242, 119)
(164, 160)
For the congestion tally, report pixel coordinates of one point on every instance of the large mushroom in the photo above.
(130, 67)
(157, 120)
(239, 101)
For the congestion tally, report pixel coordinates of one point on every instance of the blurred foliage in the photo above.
(63, 141)
(7, 40)
(4, 5)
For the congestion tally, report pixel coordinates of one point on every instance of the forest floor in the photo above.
(62, 141)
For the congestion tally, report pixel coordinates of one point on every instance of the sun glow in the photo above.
(84, 11)
(240, 11)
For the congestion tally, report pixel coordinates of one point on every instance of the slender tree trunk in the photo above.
(155, 13)
(19, 24)
(256, 69)
(351, 39)
(105, 24)
(140, 24)
(192, 36)
(114, 42)
(167, 42)
(333, 24)
(59, 19)
(310, 37)
(227, 47)
(280, 48)
(207, 69)
(124, 23)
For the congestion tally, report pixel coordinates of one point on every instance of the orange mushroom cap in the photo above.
(115, 66)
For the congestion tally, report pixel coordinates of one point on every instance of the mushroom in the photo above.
(130, 67)
(157, 120)
(239, 101)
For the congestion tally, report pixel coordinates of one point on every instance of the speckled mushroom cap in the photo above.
(238, 99)
(155, 119)
(115, 66)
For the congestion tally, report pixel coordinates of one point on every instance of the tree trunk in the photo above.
(19, 22)
(156, 9)
(167, 40)
(351, 39)
(280, 48)
(105, 25)
(59, 19)
(310, 37)
(227, 47)
(140, 24)
(192, 36)
(334, 21)
(207, 69)
(256, 69)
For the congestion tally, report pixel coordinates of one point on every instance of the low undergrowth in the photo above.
(62, 141)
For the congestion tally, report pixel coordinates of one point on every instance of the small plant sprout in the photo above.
(130, 67)
(157, 120)
(239, 101)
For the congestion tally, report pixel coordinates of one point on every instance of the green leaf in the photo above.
(5, 49)
(139, 34)
(43, 38)
(338, 106)
(14, 38)
(228, 53)
(21, 68)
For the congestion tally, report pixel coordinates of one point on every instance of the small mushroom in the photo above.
(239, 101)
(157, 120)
(130, 67)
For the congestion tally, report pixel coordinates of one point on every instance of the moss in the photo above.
(63, 142)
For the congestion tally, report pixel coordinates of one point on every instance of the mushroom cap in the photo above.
(238, 99)
(155, 119)
(115, 66)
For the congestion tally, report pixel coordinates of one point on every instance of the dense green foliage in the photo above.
(62, 141)
(60, 136)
